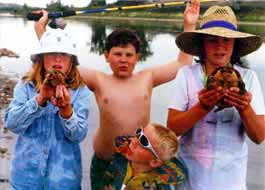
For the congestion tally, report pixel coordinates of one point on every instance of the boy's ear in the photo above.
(106, 55)
(156, 163)
(138, 56)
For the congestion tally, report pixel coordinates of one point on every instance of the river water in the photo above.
(18, 35)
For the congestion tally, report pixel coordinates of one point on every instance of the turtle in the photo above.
(226, 77)
(55, 78)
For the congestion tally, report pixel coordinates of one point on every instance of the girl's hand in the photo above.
(62, 99)
(46, 92)
(209, 98)
(240, 101)
(191, 14)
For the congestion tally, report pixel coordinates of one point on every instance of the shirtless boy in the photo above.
(124, 97)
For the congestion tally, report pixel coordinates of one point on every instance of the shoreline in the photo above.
(6, 90)
(144, 19)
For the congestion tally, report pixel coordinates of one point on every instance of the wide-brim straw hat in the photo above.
(55, 41)
(218, 21)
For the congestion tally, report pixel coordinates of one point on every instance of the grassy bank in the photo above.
(250, 19)
(255, 15)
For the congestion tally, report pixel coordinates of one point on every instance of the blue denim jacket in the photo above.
(47, 153)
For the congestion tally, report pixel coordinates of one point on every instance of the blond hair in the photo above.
(167, 142)
(37, 74)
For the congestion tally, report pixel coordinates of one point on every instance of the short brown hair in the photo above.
(123, 37)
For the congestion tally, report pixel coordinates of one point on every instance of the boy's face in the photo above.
(218, 50)
(139, 154)
(122, 60)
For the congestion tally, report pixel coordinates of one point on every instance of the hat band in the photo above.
(218, 23)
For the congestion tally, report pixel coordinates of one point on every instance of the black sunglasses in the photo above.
(144, 142)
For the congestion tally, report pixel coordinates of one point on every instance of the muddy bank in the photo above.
(7, 139)
(6, 90)
(8, 53)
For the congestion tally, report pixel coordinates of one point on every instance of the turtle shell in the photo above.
(226, 77)
(55, 78)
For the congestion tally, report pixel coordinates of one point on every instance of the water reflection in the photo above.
(253, 29)
(97, 38)
(18, 35)
(99, 35)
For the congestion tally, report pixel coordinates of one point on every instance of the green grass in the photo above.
(250, 16)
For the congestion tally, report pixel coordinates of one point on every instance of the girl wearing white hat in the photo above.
(213, 144)
(49, 115)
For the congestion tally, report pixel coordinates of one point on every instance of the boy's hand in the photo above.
(240, 101)
(209, 98)
(43, 21)
(191, 15)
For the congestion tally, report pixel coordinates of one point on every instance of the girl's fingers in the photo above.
(238, 105)
(236, 96)
(65, 91)
(241, 102)
(54, 101)
(59, 92)
(210, 93)
(210, 98)
(64, 98)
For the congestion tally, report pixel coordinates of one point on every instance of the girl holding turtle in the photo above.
(49, 118)
(213, 143)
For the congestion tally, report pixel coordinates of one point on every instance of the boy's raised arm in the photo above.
(167, 72)
(40, 26)
(90, 77)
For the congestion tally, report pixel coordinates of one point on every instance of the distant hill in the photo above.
(6, 7)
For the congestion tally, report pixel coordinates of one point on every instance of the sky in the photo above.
(42, 3)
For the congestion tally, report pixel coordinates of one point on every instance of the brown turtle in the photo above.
(55, 78)
(225, 77)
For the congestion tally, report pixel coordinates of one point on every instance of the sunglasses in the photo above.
(144, 142)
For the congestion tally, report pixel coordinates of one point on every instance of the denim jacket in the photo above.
(47, 152)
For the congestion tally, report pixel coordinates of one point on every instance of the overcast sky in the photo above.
(42, 3)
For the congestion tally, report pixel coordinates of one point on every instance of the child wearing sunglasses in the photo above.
(146, 161)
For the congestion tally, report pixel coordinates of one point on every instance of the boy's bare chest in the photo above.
(124, 95)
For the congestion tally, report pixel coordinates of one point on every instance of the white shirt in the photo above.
(214, 150)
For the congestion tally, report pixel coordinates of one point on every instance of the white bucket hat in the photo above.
(218, 21)
(55, 40)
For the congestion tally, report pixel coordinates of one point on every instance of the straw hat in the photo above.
(55, 40)
(218, 21)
